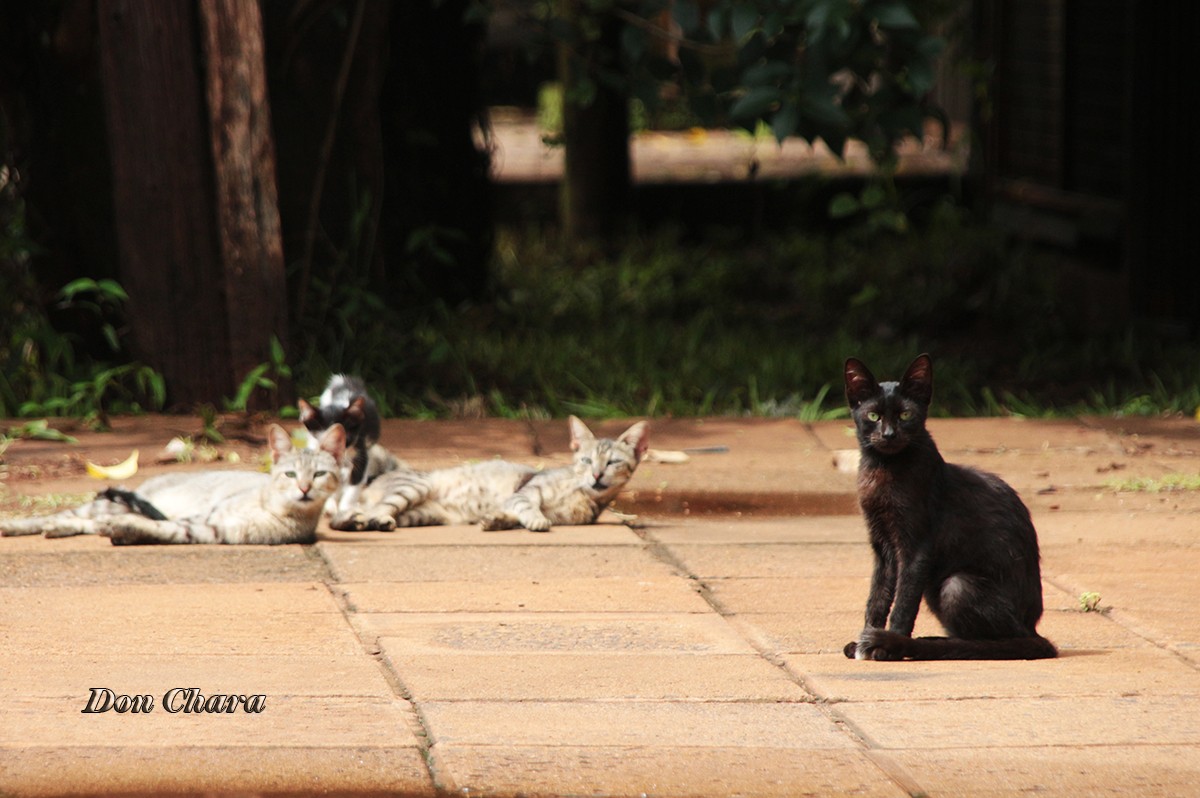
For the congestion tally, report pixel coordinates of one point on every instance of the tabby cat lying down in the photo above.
(212, 506)
(501, 495)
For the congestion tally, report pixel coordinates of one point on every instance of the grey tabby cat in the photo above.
(212, 506)
(503, 495)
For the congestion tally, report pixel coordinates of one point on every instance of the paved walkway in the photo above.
(697, 653)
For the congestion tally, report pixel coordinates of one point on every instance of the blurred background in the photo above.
(602, 207)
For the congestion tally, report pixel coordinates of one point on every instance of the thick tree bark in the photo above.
(596, 190)
(194, 191)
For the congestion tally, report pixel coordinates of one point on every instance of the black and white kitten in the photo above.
(961, 538)
(345, 401)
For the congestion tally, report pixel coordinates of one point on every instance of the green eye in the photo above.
(906, 415)
(290, 474)
(320, 473)
(872, 416)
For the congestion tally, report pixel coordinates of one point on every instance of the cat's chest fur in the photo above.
(895, 496)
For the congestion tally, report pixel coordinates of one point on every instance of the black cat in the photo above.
(345, 401)
(961, 538)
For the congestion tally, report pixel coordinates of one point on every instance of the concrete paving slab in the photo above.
(191, 770)
(158, 620)
(1095, 769)
(571, 633)
(767, 560)
(662, 771)
(1142, 671)
(34, 563)
(608, 531)
(1118, 530)
(306, 721)
(370, 563)
(797, 529)
(701, 724)
(1016, 722)
(600, 676)
(606, 594)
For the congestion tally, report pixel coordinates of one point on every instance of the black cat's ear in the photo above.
(354, 414)
(308, 414)
(917, 382)
(860, 382)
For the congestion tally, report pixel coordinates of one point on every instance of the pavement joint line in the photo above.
(1130, 624)
(417, 721)
(891, 769)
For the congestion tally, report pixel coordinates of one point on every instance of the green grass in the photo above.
(671, 326)
(1165, 484)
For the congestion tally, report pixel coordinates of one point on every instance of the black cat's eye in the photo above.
(906, 415)
(872, 416)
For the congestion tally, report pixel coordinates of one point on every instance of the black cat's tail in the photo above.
(884, 645)
(134, 502)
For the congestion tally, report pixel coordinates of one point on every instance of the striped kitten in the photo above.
(578, 493)
(503, 495)
(211, 506)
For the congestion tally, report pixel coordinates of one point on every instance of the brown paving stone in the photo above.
(1092, 768)
(367, 563)
(285, 721)
(72, 675)
(1142, 671)
(608, 594)
(708, 724)
(607, 532)
(572, 633)
(36, 562)
(373, 769)
(799, 529)
(149, 620)
(771, 560)
(1043, 721)
(662, 771)
(589, 676)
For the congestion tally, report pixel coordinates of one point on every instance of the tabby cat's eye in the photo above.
(906, 415)
(290, 474)
(320, 473)
(872, 416)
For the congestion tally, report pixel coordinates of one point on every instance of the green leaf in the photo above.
(754, 103)
(77, 287)
(844, 205)
(785, 122)
(894, 16)
(112, 289)
(873, 196)
(744, 20)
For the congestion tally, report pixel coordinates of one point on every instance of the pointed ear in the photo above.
(356, 412)
(861, 384)
(638, 436)
(580, 434)
(334, 441)
(280, 442)
(917, 382)
(308, 413)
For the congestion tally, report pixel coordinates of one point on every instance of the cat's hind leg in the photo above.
(134, 530)
(524, 507)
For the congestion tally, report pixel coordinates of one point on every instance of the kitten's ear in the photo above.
(861, 384)
(917, 382)
(638, 436)
(580, 434)
(280, 441)
(334, 441)
(308, 413)
(356, 411)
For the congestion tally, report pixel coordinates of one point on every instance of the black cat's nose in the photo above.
(888, 432)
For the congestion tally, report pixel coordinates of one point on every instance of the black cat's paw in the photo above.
(876, 644)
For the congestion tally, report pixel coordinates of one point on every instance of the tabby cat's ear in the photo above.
(861, 384)
(580, 434)
(280, 441)
(334, 441)
(637, 436)
(917, 382)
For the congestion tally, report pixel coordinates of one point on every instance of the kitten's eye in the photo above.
(320, 473)
(290, 474)
(872, 416)
(906, 415)
(585, 460)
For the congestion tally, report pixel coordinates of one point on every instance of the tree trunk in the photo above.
(596, 189)
(194, 189)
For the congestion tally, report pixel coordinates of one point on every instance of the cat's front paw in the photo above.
(380, 522)
(124, 530)
(348, 521)
(496, 523)
(874, 644)
(537, 523)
